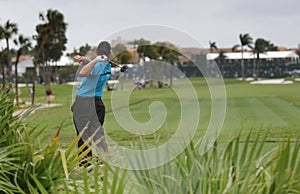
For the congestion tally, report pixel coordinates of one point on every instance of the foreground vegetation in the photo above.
(236, 164)
(29, 166)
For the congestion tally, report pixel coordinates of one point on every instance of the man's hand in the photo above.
(78, 58)
(101, 58)
(81, 59)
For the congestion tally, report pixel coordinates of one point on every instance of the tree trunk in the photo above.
(35, 62)
(254, 69)
(257, 71)
(8, 59)
(33, 84)
(220, 62)
(158, 74)
(16, 77)
(243, 75)
(2, 71)
(171, 74)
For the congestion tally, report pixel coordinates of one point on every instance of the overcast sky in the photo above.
(221, 21)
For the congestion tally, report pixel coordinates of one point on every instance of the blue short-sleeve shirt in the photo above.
(93, 85)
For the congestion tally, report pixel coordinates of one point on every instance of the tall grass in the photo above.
(26, 166)
(233, 167)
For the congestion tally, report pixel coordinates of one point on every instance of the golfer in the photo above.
(88, 108)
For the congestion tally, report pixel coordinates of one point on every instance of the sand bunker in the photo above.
(22, 111)
(272, 81)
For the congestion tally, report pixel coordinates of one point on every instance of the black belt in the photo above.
(107, 73)
(88, 97)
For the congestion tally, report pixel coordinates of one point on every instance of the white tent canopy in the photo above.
(63, 61)
(23, 65)
(249, 55)
(282, 54)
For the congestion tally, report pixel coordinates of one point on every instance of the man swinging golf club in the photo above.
(88, 108)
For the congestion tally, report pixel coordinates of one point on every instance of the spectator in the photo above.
(48, 94)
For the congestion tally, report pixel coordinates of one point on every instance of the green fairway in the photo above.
(263, 107)
(260, 108)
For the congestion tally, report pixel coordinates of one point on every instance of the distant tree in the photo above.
(27, 76)
(125, 57)
(24, 45)
(298, 51)
(260, 46)
(272, 47)
(118, 49)
(83, 50)
(141, 47)
(151, 51)
(235, 48)
(121, 54)
(221, 58)
(245, 40)
(66, 73)
(145, 49)
(51, 34)
(8, 30)
(51, 40)
(212, 46)
(1, 58)
(134, 44)
(1, 32)
(168, 52)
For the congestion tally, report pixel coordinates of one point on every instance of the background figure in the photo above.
(48, 94)
(30, 92)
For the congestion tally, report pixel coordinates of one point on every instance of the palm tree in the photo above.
(24, 45)
(221, 58)
(235, 48)
(245, 40)
(51, 40)
(119, 49)
(212, 46)
(169, 53)
(144, 50)
(134, 44)
(8, 30)
(164, 50)
(2, 62)
(142, 45)
(272, 47)
(53, 31)
(260, 46)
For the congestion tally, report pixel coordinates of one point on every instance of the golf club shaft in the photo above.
(116, 64)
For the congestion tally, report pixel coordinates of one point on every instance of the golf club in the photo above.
(123, 67)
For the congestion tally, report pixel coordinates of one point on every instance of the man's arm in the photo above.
(86, 70)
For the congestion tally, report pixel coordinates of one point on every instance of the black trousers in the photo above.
(88, 115)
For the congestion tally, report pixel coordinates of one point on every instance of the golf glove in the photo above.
(101, 58)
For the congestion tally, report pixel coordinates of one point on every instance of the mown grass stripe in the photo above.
(233, 120)
(270, 118)
(287, 111)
